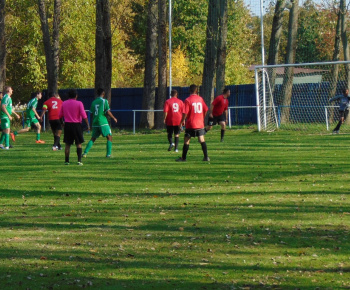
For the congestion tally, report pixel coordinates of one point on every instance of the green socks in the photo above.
(88, 147)
(7, 140)
(37, 136)
(2, 139)
(109, 148)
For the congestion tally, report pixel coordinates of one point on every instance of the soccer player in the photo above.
(344, 103)
(173, 108)
(53, 106)
(100, 110)
(218, 112)
(32, 118)
(73, 113)
(6, 118)
(194, 113)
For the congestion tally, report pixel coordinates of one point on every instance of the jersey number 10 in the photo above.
(198, 108)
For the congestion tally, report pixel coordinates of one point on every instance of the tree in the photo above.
(51, 48)
(343, 25)
(149, 88)
(103, 47)
(211, 50)
(222, 46)
(162, 63)
(290, 56)
(2, 46)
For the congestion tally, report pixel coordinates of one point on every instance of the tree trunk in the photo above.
(162, 63)
(2, 46)
(103, 48)
(51, 51)
(222, 47)
(276, 32)
(343, 18)
(336, 55)
(290, 56)
(149, 90)
(211, 49)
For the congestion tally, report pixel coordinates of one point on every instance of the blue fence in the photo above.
(125, 101)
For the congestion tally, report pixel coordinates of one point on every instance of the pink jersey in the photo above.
(220, 105)
(173, 107)
(53, 105)
(195, 108)
(72, 111)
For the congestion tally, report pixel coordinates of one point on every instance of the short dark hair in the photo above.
(225, 90)
(7, 89)
(173, 93)
(72, 94)
(100, 91)
(193, 89)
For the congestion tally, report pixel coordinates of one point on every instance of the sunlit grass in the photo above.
(269, 210)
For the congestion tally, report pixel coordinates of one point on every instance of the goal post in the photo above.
(296, 96)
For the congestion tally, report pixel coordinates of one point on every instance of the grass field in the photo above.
(268, 211)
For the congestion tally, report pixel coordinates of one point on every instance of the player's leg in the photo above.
(66, 153)
(96, 132)
(79, 153)
(38, 130)
(203, 144)
(211, 123)
(223, 128)
(109, 146)
(341, 119)
(188, 134)
(170, 131)
(177, 137)
(7, 138)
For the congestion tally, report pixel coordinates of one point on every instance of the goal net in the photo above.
(296, 97)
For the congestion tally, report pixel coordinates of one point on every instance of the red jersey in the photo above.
(173, 107)
(220, 105)
(195, 108)
(53, 105)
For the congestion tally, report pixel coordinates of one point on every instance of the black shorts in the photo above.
(173, 129)
(55, 125)
(194, 132)
(73, 132)
(217, 119)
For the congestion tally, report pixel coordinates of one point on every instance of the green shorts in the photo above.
(101, 130)
(5, 123)
(29, 122)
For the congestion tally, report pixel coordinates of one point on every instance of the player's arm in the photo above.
(226, 113)
(165, 115)
(109, 113)
(43, 112)
(36, 113)
(184, 116)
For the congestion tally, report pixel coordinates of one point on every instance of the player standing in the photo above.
(32, 118)
(344, 103)
(53, 106)
(218, 112)
(194, 113)
(73, 113)
(5, 116)
(99, 110)
(173, 108)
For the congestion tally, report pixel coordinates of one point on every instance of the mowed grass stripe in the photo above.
(269, 210)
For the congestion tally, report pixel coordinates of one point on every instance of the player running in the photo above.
(53, 106)
(218, 112)
(344, 103)
(173, 108)
(194, 113)
(100, 110)
(32, 118)
(6, 118)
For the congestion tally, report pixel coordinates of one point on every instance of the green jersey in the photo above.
(31, 105)
(7, 101)
(99, 109)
